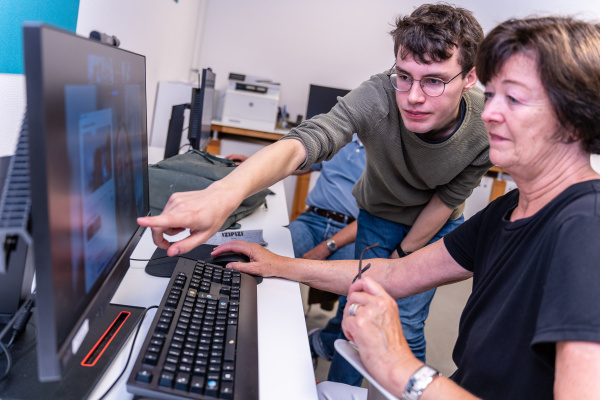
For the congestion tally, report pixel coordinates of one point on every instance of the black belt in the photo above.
(338, 217)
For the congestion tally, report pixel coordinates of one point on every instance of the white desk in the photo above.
(285, 366)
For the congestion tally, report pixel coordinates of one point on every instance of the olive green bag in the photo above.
(196, 170)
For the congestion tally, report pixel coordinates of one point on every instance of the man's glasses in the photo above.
(360, 269)
(432, 87)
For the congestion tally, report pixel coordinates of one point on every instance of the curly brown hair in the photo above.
(433, 31)
(567, 54)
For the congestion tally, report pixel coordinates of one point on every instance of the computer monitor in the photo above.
(201, 115)
(86, 107)
(16, 267)
(201, 111)
(321, 99)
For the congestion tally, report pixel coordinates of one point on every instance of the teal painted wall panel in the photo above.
(61, 13)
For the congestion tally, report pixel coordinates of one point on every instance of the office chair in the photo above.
(350, 353)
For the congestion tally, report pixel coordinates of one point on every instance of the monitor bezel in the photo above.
(54, 357)
(201, 102)
(321, 99)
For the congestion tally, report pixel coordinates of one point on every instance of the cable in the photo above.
(159, 258)
(137, 330)
(25, 307)
(189, 145)
(8, 360)
(149, 259)
(17, 323)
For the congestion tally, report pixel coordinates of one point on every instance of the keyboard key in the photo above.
(230, 341)
(170, 367)
(185, 368)
(166, 379)
(186, 360)
(150, 358)
(143, 376)
(197, 384)
(211, 388)
(226, 391)
(199, 370)
(201, 361)
(171, 303)
(227, 376)
(182, 381)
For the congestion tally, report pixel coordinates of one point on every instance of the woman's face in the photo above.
(521, 124)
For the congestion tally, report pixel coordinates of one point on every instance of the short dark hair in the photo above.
(567, 54)
(433, 31)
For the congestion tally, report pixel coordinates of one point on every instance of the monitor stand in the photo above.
(78, 381)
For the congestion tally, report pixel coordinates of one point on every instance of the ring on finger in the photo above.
(352, 309)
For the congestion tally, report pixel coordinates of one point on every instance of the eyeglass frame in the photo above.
(412, 80)
(360, 269)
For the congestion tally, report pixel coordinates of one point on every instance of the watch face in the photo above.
(419, 381)
(331, 245)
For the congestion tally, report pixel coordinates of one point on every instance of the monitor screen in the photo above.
(86, 106)
(321, 99)
(201, 111)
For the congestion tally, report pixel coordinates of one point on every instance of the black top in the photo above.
(535, 283)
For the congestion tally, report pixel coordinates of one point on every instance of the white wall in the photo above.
(336, 43)
(12, 107)
(328, 42)
(165, 31)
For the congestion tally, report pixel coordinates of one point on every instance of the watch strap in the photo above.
(419, 381)
(401, 252)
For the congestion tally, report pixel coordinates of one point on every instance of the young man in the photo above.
(426, 148)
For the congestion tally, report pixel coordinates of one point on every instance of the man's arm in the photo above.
(342, 238)
(205, 211)
(431, 219)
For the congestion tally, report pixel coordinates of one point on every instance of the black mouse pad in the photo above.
(162, 265)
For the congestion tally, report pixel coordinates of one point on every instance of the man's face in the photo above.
(435, 116)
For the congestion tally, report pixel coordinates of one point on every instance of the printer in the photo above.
(251, 102)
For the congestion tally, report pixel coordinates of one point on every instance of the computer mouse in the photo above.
(226, 258)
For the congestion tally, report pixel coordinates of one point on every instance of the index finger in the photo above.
(159, 221)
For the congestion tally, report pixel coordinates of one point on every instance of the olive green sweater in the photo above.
(402, 171)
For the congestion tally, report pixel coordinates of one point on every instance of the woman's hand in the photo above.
(376, 330)
(262, 261)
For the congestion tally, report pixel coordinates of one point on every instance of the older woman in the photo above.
(531, 327)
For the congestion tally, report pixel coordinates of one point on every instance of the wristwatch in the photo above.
(419, 381)
(331, 245)
(401, 252)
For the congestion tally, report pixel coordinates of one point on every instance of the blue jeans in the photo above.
(413, 310)
(310, 229)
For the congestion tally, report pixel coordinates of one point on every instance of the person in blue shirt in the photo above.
(327, 229)
(331, 207)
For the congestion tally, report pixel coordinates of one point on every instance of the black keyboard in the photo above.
(202, 343)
